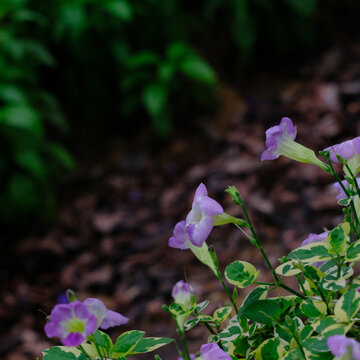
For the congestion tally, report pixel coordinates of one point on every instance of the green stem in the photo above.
(301, 284)
(347, 194)
(264, 283)
(219, 276)
(353, 178)
(98, 350)
(183, 340)
(84, 352)
(292, 291)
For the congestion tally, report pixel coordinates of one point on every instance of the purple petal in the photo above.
(194, 215)
(113, 318)
(356, 144)
(54, 329)
(270, 154)
(96, 307)
(315, 237)
(288, 128)
(180, 287)
(210, 207)
(80, 310)
(212, 351)
(61, 313)
(178, 241)
(200, 191)
(345, 149)
(339, 345)
(198, 233)
(73, 339)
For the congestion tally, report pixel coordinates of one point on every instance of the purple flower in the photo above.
(72, 323)
(315, 237)
(180, 238)
(181, 293)
(340, 345)
(105, 318)
(212, 351)
(346, 149)
(200, 219)
(280, 141)
(341, 194)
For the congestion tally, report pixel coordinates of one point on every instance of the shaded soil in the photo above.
(111, 237)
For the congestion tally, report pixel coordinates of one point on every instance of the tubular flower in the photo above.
(315, 237)
(181, 293)
(200, 219)
(280, 141)
(341, 194)
(72, 323)
(341, 345)
(349, 150)
(105, 318)
(212, 351)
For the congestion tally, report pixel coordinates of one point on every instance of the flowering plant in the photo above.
(318, 320)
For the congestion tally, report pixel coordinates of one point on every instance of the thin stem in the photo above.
(258, 244)
(264, 283)
(98, 350)
(227, 292)
(347, 194)
(84, 352)
(183, 340)
(301, 284)
(353, 178)
(292, 290)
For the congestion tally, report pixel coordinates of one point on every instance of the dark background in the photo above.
(112, 113)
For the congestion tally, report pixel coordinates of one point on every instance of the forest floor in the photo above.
(111, 238)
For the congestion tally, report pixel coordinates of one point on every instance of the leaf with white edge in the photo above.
(232, 331)
(270, 349)
(287, 269)
(190, 324)
(293, 355)
(313, 309)
(177, 309)
(347, 306)
(353, 252)
(332, 281)
(311, 253)
(101, 339)
(320, 325)
(150, 344)
(337, 238)
(259, 293)
(316, 348)
(59, 353)
(241, 273)
(221, 314)
(200, 307)
(126, 342)
(205, 318)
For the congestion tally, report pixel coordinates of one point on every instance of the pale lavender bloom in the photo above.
(315, 237)
(346, 149)
(280, 141)
(72, 323)
(105, 318)
(181, 293)
(212, 351)
(277, 136)
(200, 220)
(340, 345)
(341, 194)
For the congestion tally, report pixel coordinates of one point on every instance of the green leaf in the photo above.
(241, 273)
(190, 324)
(61, 155)
(262, 311)
(198, 69)
(313, 309)
(287, 269)
(127, 341)
(221, 314)
(56, 353)
(155, 98)
(121, 9)
(150, 344)
(200, 307)
(258, 293)
(270, 349)
(337, 238)
(142, 59)
(103, 340)
(353, 252)
(347, 306)
(311, 253)
(177, 309)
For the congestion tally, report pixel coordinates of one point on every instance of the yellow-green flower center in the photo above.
(74, 325)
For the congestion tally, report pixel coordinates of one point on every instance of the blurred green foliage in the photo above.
(28, 160)
(118, 64)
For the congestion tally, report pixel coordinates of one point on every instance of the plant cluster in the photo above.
(317, 320)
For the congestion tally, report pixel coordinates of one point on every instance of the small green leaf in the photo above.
(127, 341)
(198, 69)
(337, 238)
(241, 273)
(155, 98)
(190, 324)
(150, 344)
(353, 252)
(347, 306)
(103, 340)
(57, 353)
(311, 253)
(313, 309)
(270, 349)
(200, 307)
(221, 314)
